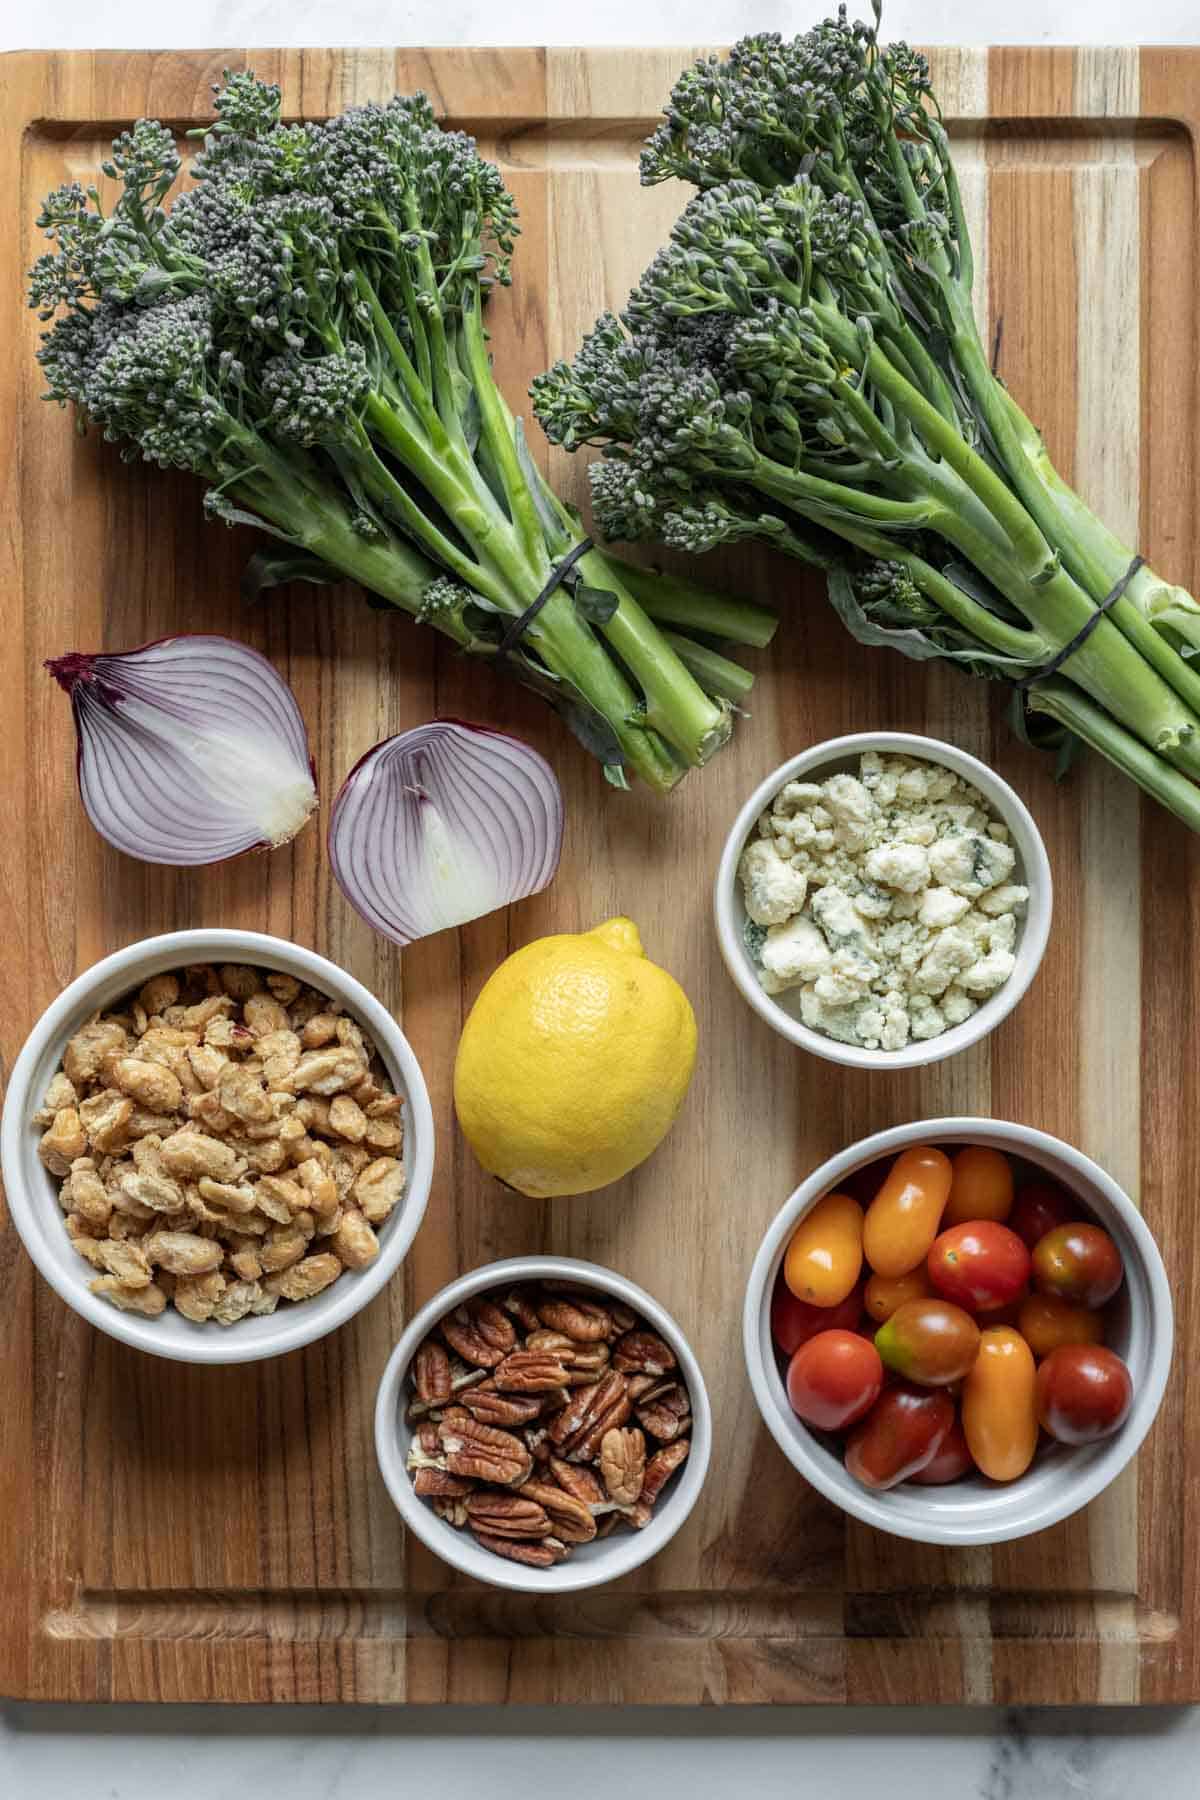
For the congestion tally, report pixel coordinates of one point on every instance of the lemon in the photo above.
(574, 1061)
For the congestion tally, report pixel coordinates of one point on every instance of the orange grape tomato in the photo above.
(981, 1186)
(903, 1218)
(1046, 1322)
(825, 1255)
(999, 1405)
(885, 1293)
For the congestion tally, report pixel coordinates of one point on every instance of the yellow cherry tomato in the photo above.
(905, 1216)
(981, 1186)
(999, 1404)
(825, 1255)
(1046, 1322)
(884, 1293)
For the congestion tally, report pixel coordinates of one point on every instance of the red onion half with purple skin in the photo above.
(443, 824)
(191, 749)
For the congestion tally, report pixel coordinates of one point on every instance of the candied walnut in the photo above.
(538, 1556)
(285, 988)
(530, 1372)
(87, 1193)
(196, 1296)
(324, 1072)
(264, 1014)
(384, 1134)
(279, 1197)
(284, 1245)
(305, 1279)
(492, 1408)
(206, 1063)
(280, 1052)
(243, 1095)
(150, 1301)
(440, 1484)
(480, 1451)
(576, 1318)
(223, 1033)
(59, 1096)
(579, 1482)
(200, 1016)
(347, 1119)
(182, 1252)
(348, 1162)
(239, 980)
(228, 1196)
(150, 1084)
(158, 993)
(379, 1187)
(431, 1373)
(88, 1048)
(246, 1264)
(666, 1414)
(319, 1187)
(660, 1468)
(265, 1158)
(188, 1152)
(479, 1332)
(314, 1112)
(623, 1464)
(237, 1302)
(642, 1353)
(570, 1519)
(142, 1123)
(354, 1242)
(128, 1262)
(158, 1192)
(507, 1515)
(63, 1142)
(318, 1031)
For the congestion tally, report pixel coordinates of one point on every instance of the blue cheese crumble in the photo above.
(886, 898)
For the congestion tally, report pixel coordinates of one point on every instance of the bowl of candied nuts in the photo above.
(543, 1425)
(217, 1146)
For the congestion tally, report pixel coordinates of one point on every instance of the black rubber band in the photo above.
(558, 575)
(1081, 636)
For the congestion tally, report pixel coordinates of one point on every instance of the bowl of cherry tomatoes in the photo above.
(959, 1330)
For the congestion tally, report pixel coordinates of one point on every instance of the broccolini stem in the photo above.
(671, 599)
(497, 430)
(718, 676)
(1062, 701)
(415, 390)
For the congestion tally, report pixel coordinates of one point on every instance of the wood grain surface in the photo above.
(171, 1533)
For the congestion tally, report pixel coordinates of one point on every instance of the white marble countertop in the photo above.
(142, 1752)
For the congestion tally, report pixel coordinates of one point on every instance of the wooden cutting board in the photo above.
(188, 1534)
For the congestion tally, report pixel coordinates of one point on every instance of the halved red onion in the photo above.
(191, 749)
(444, 824)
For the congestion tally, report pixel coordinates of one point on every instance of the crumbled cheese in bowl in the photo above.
(886, 898)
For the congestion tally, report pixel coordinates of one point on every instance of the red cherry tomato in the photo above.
(794, 1321)
(951, 1462)
(1040, 1206)
(834, 1379)
(1078, 1262)
(901, 1434)
(980, 1265)
(1083, 1393)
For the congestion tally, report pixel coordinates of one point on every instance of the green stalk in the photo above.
(718, 676)
(1063, 702)
(672, 600)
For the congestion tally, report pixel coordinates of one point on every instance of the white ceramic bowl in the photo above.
(1061, 1478)
(589, 1565)
(781, 1011)
(32, 1191)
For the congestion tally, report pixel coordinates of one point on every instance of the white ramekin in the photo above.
(1033, 870)
(589, 1564)
(32, 1191)
(1062, 1478)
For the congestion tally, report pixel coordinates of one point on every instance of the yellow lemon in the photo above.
(574, 1061)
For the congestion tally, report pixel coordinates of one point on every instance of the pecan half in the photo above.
(492, 1408)
(480, 1333)
(580, 1319)
(529, 1372)
(582, 1361)
(451, 1508)
(431, 1373)
(666, 1414)
(507, 1515)
(623, 1317)
(660, 1468)
(642, 1353)
(600, 1409)
(580, 1483)
(570, 1519)
(519, 1302)
(538, 1556)
(439, 1483)
(623, 1464)
(480, 1452)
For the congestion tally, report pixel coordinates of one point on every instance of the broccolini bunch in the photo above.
(302, 325)
(801, 364)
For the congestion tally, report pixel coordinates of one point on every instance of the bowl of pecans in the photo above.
(543, 1425)
(217, 1146)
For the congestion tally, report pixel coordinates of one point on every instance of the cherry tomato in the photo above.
(929, 1341)
(1045, 1321)
(902, 1220)
(1083, 1393)
(884, 1293)
(903, 1431)
(834, 1379)
(825, 1255)
(999, 1410)
(978, 1266)
(794, 1321)
(951, 1462)
(1078, 1262)
(981, 1186)
(1040, 1206)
